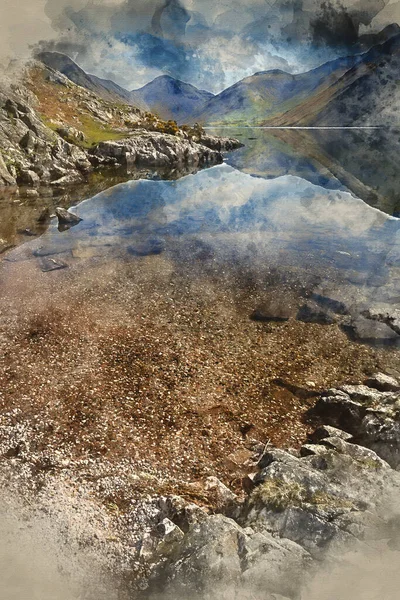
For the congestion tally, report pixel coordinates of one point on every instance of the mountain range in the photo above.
(359, 89)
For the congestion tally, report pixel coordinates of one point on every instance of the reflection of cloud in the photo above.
(222, 203)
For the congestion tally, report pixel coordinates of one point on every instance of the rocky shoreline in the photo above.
(37, 150)
(300, 508)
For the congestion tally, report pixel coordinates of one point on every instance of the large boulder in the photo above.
(219, 559)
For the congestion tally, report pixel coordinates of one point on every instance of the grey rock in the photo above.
(151, 149)
(327, 431)
(5, 177)
(311, 312)
(218, 143)
(66, 218)
(29, 141)
(217, 558)
(370, 331)
(385, 313)
(28, 177)
(383, 383)
(71, 178)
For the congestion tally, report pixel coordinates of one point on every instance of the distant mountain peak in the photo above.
(171, 98)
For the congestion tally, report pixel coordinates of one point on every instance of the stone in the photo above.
(384, 313)
(66, 218)
(327, 431)
(224, 499)
(383, 383)
(219, 559)
(28, 141)
(312, 313)
(361, 393)
(369, 331)
(51, 264)
(5, 177)
(336, 306)
(71, 178)
(28, 177)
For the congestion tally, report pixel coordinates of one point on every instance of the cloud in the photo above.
(22, 23)
(210, 43)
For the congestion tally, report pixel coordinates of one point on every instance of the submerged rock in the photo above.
(66, 219)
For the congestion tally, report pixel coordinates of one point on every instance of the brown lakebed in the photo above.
(145, 352)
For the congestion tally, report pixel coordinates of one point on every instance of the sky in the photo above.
(209, 43)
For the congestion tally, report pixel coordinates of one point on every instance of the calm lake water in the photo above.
(312, 211)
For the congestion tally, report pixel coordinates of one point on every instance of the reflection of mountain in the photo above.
(363, 161)
(357, 90)
(170, 98)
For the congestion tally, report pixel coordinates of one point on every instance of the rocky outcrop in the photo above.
(31, 154)
(39, 147)
(152, 149)
(303, 506)
(221, 144)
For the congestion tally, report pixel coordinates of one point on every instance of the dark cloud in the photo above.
(338, 26)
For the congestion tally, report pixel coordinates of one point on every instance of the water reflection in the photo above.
(327, 243)
(362, 161)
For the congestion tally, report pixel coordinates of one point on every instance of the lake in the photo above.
(210, 298)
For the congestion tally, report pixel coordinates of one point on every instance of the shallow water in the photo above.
(319, 241)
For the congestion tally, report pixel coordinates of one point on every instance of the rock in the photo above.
(219, 559)
(361, 393)
(29, 141)
(327, 431)
(312, 313)
(336, 306)
(219, 143)
(28, 177)
(5, 177)
(151, 149)
(383, 383)
(384, 313)
(371, 332)
(177, 510)
(66, 218)
(372, 417)
(279, 313)
(30, 122)
(161, 540)
(225, 500)
(44, 215)
(51, 264)
(71, 178)
(11, 109)
(71, 134)
(30, 193)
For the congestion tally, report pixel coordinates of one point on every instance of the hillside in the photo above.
(54, 132)
(170, 98)
(367, 94)
(106, 89)
(268, 93)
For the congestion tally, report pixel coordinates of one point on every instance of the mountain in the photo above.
(360, 89)
(170, 98)
(269, 93)
(367, 94)
(106, 89)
